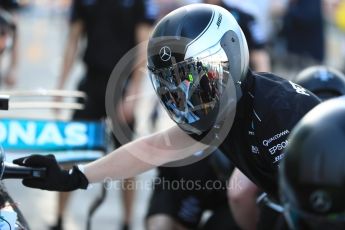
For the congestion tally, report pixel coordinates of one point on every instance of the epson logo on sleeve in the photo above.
(278, 147)
(275, 137)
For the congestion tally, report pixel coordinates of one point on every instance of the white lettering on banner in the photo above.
(25, 134)
(76, 134)
(299, 89)
(50, 134)
(278, 147)
(275, 137)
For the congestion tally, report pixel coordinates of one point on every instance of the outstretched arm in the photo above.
(129, 160)
(143, 154)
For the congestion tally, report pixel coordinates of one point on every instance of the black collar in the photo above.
(245, 102)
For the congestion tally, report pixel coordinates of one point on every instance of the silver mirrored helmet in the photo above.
(197, 58)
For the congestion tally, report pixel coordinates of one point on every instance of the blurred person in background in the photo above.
(340, 15)
(108, 38)
(264, 10)
(267, 14)
(334, 11)
(254, 31)
(9, 41)
(340, 22)
(195, 203)
(303, 32)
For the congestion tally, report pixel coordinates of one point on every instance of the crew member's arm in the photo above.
(242, 198)
(143, 154)
(127, 161)
(126, 107)
(11, 73)
(145, 18)
(260, 60)
(75, 32)
(257, 42)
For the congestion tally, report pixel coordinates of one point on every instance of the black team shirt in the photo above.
(265, 115)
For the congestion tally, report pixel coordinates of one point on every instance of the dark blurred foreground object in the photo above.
(312, 175)
(9, 4)
(323, 81)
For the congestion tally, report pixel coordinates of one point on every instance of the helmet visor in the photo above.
(191, 89)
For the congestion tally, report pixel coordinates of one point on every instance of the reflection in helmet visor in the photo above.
(190, 89)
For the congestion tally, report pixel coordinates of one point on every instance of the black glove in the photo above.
(56, 179)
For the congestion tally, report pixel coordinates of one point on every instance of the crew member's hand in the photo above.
(56, 179)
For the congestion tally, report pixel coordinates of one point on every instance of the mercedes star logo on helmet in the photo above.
(165, 53)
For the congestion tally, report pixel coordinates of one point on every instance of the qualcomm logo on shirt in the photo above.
(275, 137)
(36, 135)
